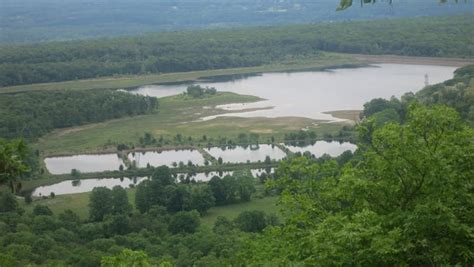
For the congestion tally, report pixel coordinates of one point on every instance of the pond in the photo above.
(167, 157)
(309, 94)
(320, 148)
(84, 185)
(87, 185)
(241, 154)
(83, 163)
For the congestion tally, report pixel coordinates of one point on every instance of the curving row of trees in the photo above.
(33, 114)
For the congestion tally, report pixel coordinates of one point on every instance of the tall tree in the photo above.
(120, 203)
(13, 156)
(100, 203)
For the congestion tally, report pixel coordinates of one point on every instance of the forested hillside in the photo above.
(214, 49)
(457, 93)
(46, 20)
(30, 115)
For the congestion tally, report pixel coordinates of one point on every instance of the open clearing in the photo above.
(78, 203)
(176, 115)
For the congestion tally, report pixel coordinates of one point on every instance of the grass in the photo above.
(267, 204)
(78, 203)
(176, 115)
(325, 60)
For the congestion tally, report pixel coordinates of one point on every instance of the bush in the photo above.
(42, 210)
(184, 222)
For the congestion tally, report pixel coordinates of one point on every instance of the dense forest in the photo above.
(47, 20)
(214, 49)
(33, 114)
(403, 198)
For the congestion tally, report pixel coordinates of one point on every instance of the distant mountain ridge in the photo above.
(27, 21)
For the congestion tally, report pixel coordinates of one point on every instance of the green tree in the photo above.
(245, 184)
(408, 201)
(100, 203)
(251, 221)
(120, 203)
(142, 197)
(217, 187)
(127, 258)
(178, 198)
(42, 210)
(184, 222)
(202, 198)
(13, 156)
(8, 202)
(117, 224)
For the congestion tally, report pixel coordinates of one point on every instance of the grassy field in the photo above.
(176, 115)
(325, 60)
(78, 203)
(267, 204)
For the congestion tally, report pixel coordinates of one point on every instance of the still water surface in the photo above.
(320, 148)
(241, 154)
(83, 163)
(167, 158)
(84, 185)
(309, 94)
(202, 176)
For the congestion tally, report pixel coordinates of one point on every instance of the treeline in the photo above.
(162, 190)
(33, 114)
(215, 49)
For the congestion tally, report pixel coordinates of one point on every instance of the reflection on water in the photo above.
(241, 154)
(264, 171)
(320, 148)
(84, 185)
(309, 94)
(169, 158)
(201, 176)
(83, 163)
(87, 185)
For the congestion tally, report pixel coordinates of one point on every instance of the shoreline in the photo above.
(331, 61)
(394, 59)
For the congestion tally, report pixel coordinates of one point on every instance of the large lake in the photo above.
(309, 94)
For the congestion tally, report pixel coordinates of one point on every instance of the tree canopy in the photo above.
(408, 199)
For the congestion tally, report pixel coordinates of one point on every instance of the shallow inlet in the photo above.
(309, 94)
